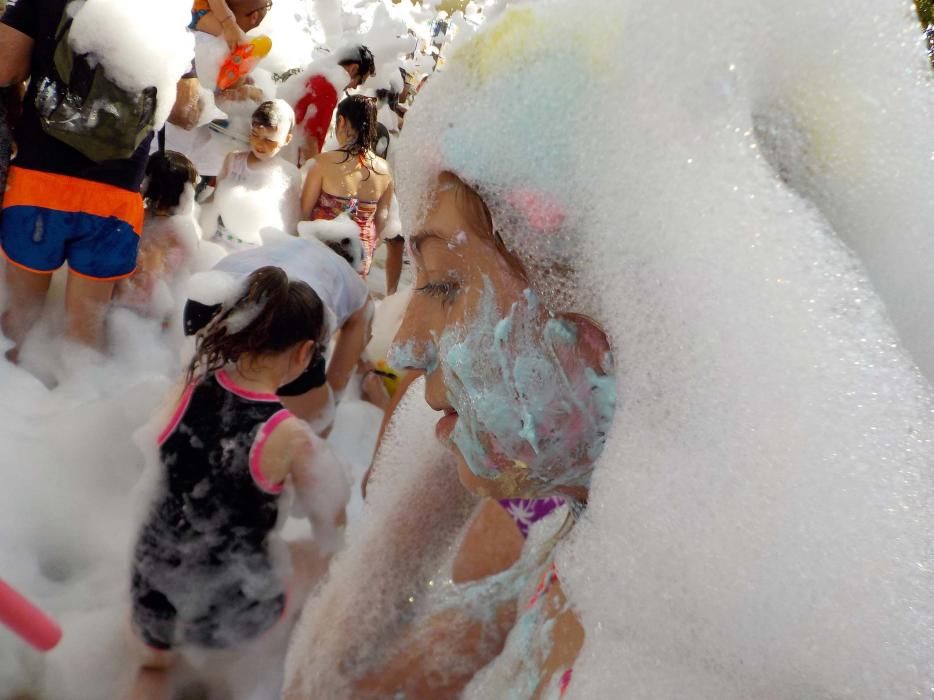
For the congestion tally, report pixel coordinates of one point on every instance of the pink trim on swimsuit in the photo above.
(179, 412)
(550, 576)
(565, 682)
(256, 452)
(230, 385)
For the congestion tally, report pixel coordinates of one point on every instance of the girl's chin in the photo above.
(511, 483)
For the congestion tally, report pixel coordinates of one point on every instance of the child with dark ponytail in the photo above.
(209, 570)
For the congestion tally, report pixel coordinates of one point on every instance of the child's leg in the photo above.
(309, 565)
(150, 684)
(152, 681)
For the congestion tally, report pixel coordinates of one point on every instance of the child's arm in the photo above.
(322, 490)
(221, 21)
(382, 209)
(321, 486)
(352, 338)
(314, 181)
(225, 169)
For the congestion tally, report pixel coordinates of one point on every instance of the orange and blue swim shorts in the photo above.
(51, 219)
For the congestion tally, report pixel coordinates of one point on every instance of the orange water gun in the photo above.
(242, 60)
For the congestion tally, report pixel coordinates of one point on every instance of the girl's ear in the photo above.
(304, 351)
(592, 340)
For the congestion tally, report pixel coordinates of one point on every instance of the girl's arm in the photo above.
(437, 654)
(314, 182)
(352, 339)
(321, 485)
(382, 209)
(322, 490)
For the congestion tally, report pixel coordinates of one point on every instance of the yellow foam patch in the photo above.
(521, 33)
(508, 41)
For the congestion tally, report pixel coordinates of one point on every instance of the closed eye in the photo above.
(446, 291)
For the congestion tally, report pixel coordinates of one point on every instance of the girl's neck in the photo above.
(262, 379)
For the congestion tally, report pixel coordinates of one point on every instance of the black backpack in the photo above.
(81, 106)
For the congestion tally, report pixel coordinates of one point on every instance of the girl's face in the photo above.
(526, 396)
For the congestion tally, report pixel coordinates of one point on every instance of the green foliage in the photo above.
(925, 11)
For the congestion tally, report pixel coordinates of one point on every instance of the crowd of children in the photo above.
(270, 263)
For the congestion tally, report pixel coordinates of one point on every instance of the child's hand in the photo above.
(243, 93)
(233, 35)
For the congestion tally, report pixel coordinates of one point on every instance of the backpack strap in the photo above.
(161, 137)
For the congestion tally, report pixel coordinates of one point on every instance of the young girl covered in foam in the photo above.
(257, 192)
(209, 571)
(170, 243)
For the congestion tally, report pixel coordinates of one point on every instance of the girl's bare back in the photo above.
(343, 176)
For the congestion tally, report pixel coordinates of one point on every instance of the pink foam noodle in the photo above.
(26, 620)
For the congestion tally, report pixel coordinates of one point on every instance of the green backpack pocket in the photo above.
(79, 105)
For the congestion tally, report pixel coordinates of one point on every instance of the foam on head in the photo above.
(759, 523)
(277, 115)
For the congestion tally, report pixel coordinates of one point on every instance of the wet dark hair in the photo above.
(268, 116)
(286, 313)
(361, 57)
(168, 172)
(360, 113)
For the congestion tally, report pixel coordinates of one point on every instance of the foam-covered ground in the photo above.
(71, 499)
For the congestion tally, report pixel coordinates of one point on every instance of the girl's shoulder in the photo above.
(289, 440)
(380, 166)
(330, 157)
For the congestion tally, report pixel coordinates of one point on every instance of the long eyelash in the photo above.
(446, 291)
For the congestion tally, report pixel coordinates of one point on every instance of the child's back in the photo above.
(209, 570)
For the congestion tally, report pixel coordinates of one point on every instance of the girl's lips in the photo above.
(445, 426)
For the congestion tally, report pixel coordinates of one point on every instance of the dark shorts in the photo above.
(224, 620)
(51, 219)
(197, 315)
